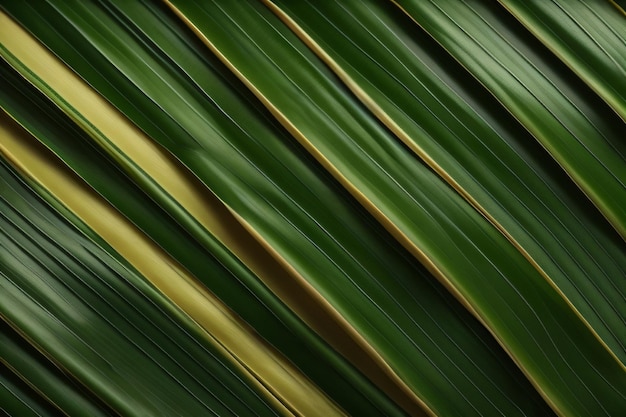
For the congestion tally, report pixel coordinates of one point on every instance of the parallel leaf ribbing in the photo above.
(272, 207)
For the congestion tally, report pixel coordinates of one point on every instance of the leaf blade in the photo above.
(518, 188)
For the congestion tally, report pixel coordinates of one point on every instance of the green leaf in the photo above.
(430, 103)
(74, 302)
(580, 131)
(19, 399)
(46, 378)
(489, 274)
(390, 216)
(420, 326)
(588, 37)
(236, 285)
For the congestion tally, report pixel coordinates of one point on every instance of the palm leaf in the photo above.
(312, 208)
(588, 37)
(509, 187)
(572, 123)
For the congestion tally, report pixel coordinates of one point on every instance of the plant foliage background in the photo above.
(313, 208)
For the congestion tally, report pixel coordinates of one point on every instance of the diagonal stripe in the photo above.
(394, 126)
(278, 377)
(221, 327)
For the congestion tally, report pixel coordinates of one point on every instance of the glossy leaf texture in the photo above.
(272, 207)
(383, 261)
(276, 378)
(65, 394)
(19, 399)
(385, 179)
(588, 36)
(582, 133)
(213, 264)
(74, 302)
(450, 123)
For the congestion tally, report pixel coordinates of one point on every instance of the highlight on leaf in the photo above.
(272, 207)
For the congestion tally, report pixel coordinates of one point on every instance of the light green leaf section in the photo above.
(252, 165)
(589, 36)
(74, 302)
(497, 283)
(432, 105)
(236, 285)
(276, 378)
(373, 199)
(580, 131)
